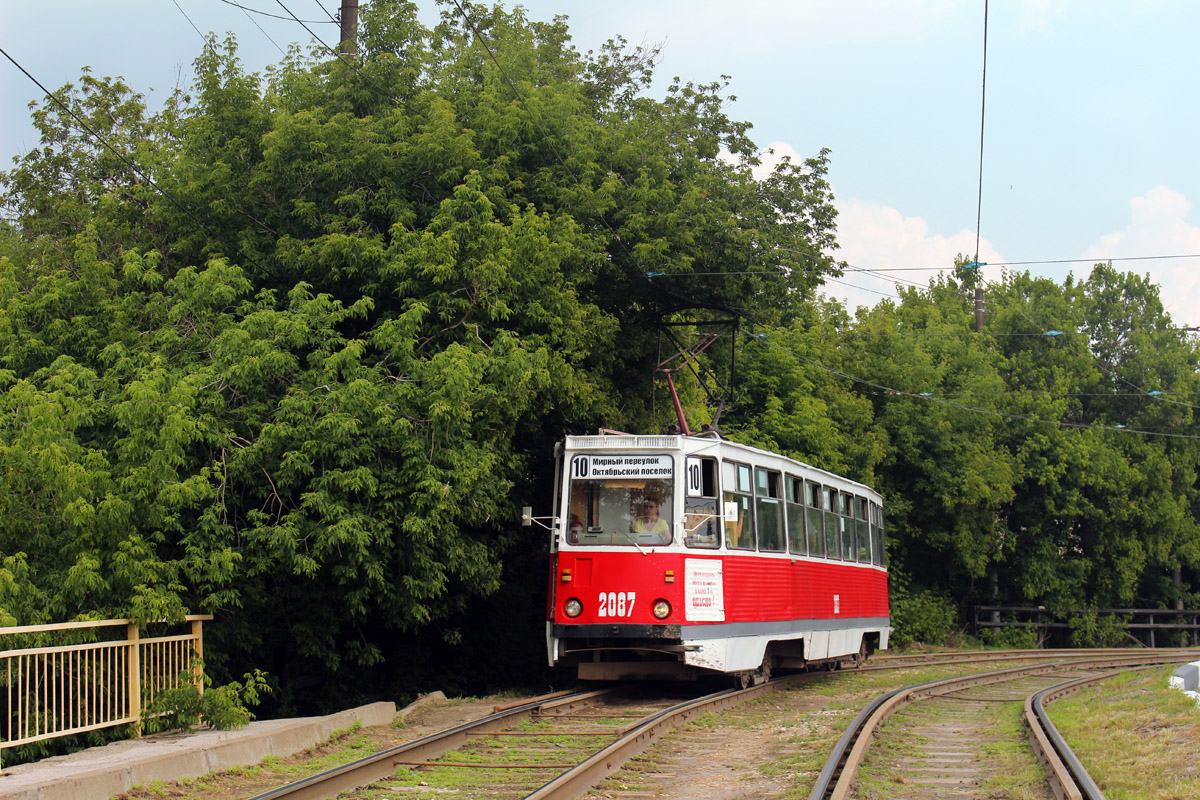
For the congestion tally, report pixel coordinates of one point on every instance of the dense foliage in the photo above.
(1049, 460)
(294, 349)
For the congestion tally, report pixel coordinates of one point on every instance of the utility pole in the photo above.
(349, 19)
(977, 267)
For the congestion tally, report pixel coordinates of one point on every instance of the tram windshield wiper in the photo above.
(632, 537)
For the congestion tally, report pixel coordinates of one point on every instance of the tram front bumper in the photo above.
(617, 631)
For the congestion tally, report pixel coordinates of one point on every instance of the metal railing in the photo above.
(1145, 622)
(55, 689)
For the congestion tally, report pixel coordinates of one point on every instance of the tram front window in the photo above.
(621, 500)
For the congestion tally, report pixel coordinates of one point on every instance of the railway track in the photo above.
(551, 748)
(558, 746)
(947, 752)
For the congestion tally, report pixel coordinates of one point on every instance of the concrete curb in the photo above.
(422, 700)
(100, 773)
(1187, 679)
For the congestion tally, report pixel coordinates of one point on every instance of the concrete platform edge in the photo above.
(103, 772)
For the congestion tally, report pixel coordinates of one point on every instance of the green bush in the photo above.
(1010, 638)
(1089, 629)
(922, 616)
(221, 707)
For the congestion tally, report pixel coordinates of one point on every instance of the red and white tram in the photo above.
(676, 556)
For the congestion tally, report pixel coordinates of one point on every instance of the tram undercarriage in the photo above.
(750, 659)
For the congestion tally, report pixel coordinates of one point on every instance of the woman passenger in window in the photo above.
(650, 525)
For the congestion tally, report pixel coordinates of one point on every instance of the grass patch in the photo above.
(1136, 736)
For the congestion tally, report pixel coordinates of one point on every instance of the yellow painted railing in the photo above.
(54, 690)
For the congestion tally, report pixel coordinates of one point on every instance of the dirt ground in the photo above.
(757, 752)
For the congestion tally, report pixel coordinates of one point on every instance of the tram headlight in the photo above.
(662, 609)
(573, 607)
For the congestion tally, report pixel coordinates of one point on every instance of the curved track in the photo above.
(1068, 776)
(558, 746)
(954, 747)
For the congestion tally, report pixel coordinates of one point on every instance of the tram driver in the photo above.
(649, 526)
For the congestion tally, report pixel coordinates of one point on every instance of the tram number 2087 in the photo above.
(616, 604)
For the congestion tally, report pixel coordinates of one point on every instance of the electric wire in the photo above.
(250, 10)
(929, 397)
(332, 18)
(105, 142)
(894, 281)
(339, 56)
(1093, 260)
(483, 41)
(189, 19)
(1161, 395)
(828, 279)
(982, 118)
(889, 390)
(479, 37)
(1032, 263)
(311, 33)
(263, 31)
(848, 268)
(979, 215)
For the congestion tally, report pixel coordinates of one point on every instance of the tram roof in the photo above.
(694, 445)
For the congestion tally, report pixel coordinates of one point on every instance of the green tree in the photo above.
(306, 381)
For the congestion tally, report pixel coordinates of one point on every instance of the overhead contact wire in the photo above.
(927, 396)
(982, 118)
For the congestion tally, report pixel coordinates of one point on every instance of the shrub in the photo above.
(922, 616)
(1089, 629)
(221, 707)
(1010, 638)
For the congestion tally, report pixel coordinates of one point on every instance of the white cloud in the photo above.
(876, 237)
(1158, 226)
(771, 156)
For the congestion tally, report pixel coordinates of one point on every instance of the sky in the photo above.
(1086, 119)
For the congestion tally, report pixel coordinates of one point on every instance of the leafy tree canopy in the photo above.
(293, 347)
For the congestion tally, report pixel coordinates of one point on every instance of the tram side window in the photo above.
(877, 548)
(833, 528)
(768, 507)
(862, 531)
(846, 520)
(739, 506)
(702, 525)
(795, 514)
(812, 514)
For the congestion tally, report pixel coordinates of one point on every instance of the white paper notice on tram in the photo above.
(703, 590)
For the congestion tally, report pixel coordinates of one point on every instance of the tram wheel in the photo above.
(860, 658)
(756, 677)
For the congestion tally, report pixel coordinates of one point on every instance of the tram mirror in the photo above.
(526, 516)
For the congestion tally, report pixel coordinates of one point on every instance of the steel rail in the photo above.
(1070, 779)
(834, 766)
(382, 764)
(837, 778)
(609, 759)
(958, 656)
